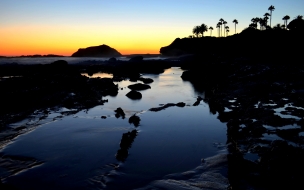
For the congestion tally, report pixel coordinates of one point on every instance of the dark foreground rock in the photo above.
(134, 95)
(137, 59)
(125, 143)
(135, 120)
(139, 86)
(119, 113)
(146, 80)
(180, 104)
(261, 103)
(39, 87)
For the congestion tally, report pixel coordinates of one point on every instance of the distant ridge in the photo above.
(97, 51)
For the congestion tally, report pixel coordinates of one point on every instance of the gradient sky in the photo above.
(131, 26)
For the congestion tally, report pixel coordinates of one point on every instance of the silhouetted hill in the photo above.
(38, 55)
(267, 45)
(97, 51)
(33, 56)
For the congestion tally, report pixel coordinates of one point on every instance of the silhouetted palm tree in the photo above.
(203, 28)
(286, 18)
(227, 31)
(225, 22)
(222, 21)
(218, 25)
(278, 27)
(226, 28)
(196, 30)
(265, 21)
(266, 17)
(254, 22)
(253, 25)
(262, 23)
(271, 8)
(210, 28)
(235, 23)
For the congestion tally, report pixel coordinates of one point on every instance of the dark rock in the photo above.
(135, 120)
(97, 51)
(119, 113)
(181, 104)
(125, 143)
(136, 59)
(139, 86)
(162, 107)
(112, 59)
(198, 101)
(134, 95)
(103, 117)
(134, 76)
(59, 63)
(146, 80)
(187, 75)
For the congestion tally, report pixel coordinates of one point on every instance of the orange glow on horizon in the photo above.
(42, 51)
(67, 39)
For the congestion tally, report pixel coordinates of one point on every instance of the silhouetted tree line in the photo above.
(223, 28)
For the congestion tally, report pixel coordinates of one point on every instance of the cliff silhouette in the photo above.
(266, 45)
(97, 51)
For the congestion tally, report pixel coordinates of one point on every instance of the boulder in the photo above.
(119, 112)
(134, 95)
(112, 59)
(135, 120)
(181, 104)
(137, 59)
(139, 86)
(146, 80)
(59, 63)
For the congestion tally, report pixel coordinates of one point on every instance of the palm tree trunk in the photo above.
(235, 28)
(224, 29)
(270, 18)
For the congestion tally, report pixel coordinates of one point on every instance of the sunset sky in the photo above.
(30, 27)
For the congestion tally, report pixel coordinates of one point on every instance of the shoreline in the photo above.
(245, 95)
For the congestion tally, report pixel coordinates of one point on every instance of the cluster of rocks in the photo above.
(39, 87)
(257, 100)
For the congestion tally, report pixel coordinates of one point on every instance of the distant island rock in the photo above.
(97, 51)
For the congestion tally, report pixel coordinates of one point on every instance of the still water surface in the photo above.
(78, 151)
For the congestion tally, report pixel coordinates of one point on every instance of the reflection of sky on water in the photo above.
(100, 75)
(82, 146)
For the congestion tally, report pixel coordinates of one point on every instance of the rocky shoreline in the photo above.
(254, 99)
(257, 100)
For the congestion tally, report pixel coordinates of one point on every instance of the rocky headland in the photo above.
(97, 51)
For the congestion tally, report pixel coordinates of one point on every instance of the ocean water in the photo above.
(70, 60)
(84, 151)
